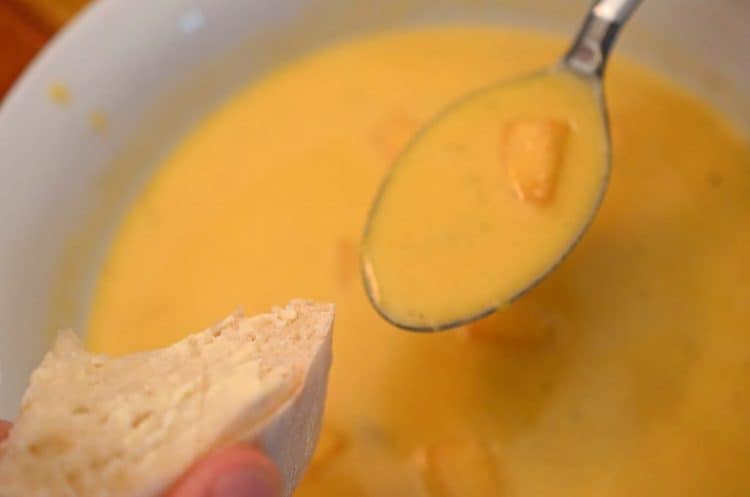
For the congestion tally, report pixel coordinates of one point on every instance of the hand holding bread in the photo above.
(131, 426)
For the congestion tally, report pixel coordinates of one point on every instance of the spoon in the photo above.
(494, 192)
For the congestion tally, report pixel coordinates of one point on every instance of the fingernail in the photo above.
(244, 483)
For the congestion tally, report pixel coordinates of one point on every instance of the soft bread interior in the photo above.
(91, 425)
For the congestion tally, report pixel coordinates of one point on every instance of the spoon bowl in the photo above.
(495, 191)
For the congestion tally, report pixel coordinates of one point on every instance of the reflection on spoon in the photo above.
(489, 197)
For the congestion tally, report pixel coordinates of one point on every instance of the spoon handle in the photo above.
(588, 54)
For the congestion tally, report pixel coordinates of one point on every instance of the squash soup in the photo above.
(486, 200)
(624, 373)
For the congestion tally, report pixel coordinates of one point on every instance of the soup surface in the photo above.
(624, 373)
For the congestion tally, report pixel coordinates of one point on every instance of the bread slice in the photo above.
(94, 426)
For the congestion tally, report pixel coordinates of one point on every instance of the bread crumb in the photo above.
(288, 314)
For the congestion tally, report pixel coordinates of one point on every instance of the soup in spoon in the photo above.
(487, 201)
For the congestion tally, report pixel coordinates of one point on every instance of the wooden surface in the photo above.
(25, 26)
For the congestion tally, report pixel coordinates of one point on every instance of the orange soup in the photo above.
(624, 373)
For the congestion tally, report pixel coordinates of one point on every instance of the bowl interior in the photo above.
(138, 77)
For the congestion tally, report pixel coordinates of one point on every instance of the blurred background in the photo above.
(25, 26)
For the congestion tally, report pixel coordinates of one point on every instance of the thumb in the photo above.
(240, 471)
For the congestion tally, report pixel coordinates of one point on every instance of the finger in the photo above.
(4, 430)
(240, 471)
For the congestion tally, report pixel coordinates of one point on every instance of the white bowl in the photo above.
(155, 70)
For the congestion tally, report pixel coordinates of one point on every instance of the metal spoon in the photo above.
(585, 60)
